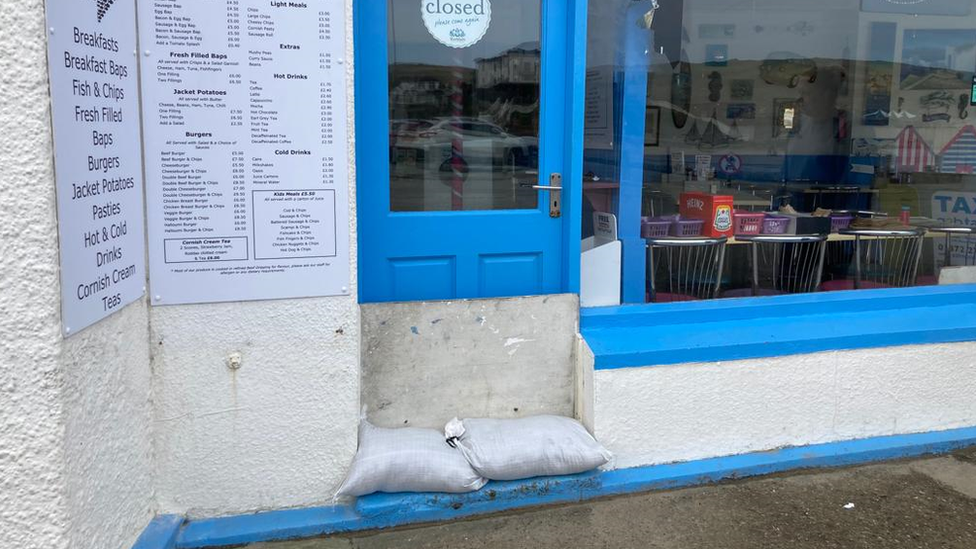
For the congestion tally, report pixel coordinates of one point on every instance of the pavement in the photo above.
(914, 504)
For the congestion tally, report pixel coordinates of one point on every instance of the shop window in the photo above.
(762, 147)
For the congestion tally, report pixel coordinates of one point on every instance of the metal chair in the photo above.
(786, 264)
(882, 259)
(840, 255)
(684, 269)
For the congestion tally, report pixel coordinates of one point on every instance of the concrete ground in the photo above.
(909, 504)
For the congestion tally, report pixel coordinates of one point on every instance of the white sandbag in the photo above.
(407, 460)
(511, 449)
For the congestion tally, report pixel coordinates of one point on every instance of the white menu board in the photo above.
(244, 108)
(97, 158)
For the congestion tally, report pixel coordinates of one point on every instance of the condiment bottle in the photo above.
(906, 215)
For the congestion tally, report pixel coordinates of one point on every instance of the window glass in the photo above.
(464, 118)
(830, 142)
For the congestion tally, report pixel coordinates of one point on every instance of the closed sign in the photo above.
(457, 23)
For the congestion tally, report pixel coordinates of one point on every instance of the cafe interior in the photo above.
(786, 146)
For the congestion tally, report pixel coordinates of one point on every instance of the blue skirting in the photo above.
(161, 533)
(388, 510)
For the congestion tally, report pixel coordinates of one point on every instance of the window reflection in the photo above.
(844, 118)
(464, 122)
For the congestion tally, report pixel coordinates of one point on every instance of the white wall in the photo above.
(280, 431)
(664, 414)
(75, 449)
(33, 506)
(107, 431)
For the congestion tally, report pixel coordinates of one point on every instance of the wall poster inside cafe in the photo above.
(244, 106)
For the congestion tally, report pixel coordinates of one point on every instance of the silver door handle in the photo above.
(555, 195)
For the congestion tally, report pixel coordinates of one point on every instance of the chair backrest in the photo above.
(787, 264)
(685, 269)
(886, 257)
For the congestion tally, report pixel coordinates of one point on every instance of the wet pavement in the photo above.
(925, 503)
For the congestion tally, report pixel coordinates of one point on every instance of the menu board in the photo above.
(97, 159)
(244, 109)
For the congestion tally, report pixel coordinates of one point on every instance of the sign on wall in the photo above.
(954, 209)
(598, 108)
(456, 23)
(97, 159)
(244, 103)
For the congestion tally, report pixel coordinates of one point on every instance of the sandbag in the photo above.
(511, 449)
(407, 460)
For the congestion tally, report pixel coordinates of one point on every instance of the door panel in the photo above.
(450, 142)
(423, 278)
(511, 274)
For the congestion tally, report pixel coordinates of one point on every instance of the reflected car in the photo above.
(788, 69)
(484, 143)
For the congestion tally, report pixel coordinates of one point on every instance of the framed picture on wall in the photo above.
(932, 59)
(716, 55)
(917, 7)
(741, 111)
(652, 127)
(786, 117)
(742, 89)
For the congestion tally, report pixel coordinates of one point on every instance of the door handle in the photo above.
(555, 188)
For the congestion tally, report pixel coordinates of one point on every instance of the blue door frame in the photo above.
(470, 254)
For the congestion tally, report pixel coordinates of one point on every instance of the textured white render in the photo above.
(280, 431)
(664, 414)
(107, 431)
(75, 443)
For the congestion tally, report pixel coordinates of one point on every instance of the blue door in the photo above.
(469, 132)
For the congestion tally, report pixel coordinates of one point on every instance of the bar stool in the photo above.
(684, 269)
(882, 259)
(785, 264)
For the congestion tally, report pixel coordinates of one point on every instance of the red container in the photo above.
(749, 223)
(715, 210)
